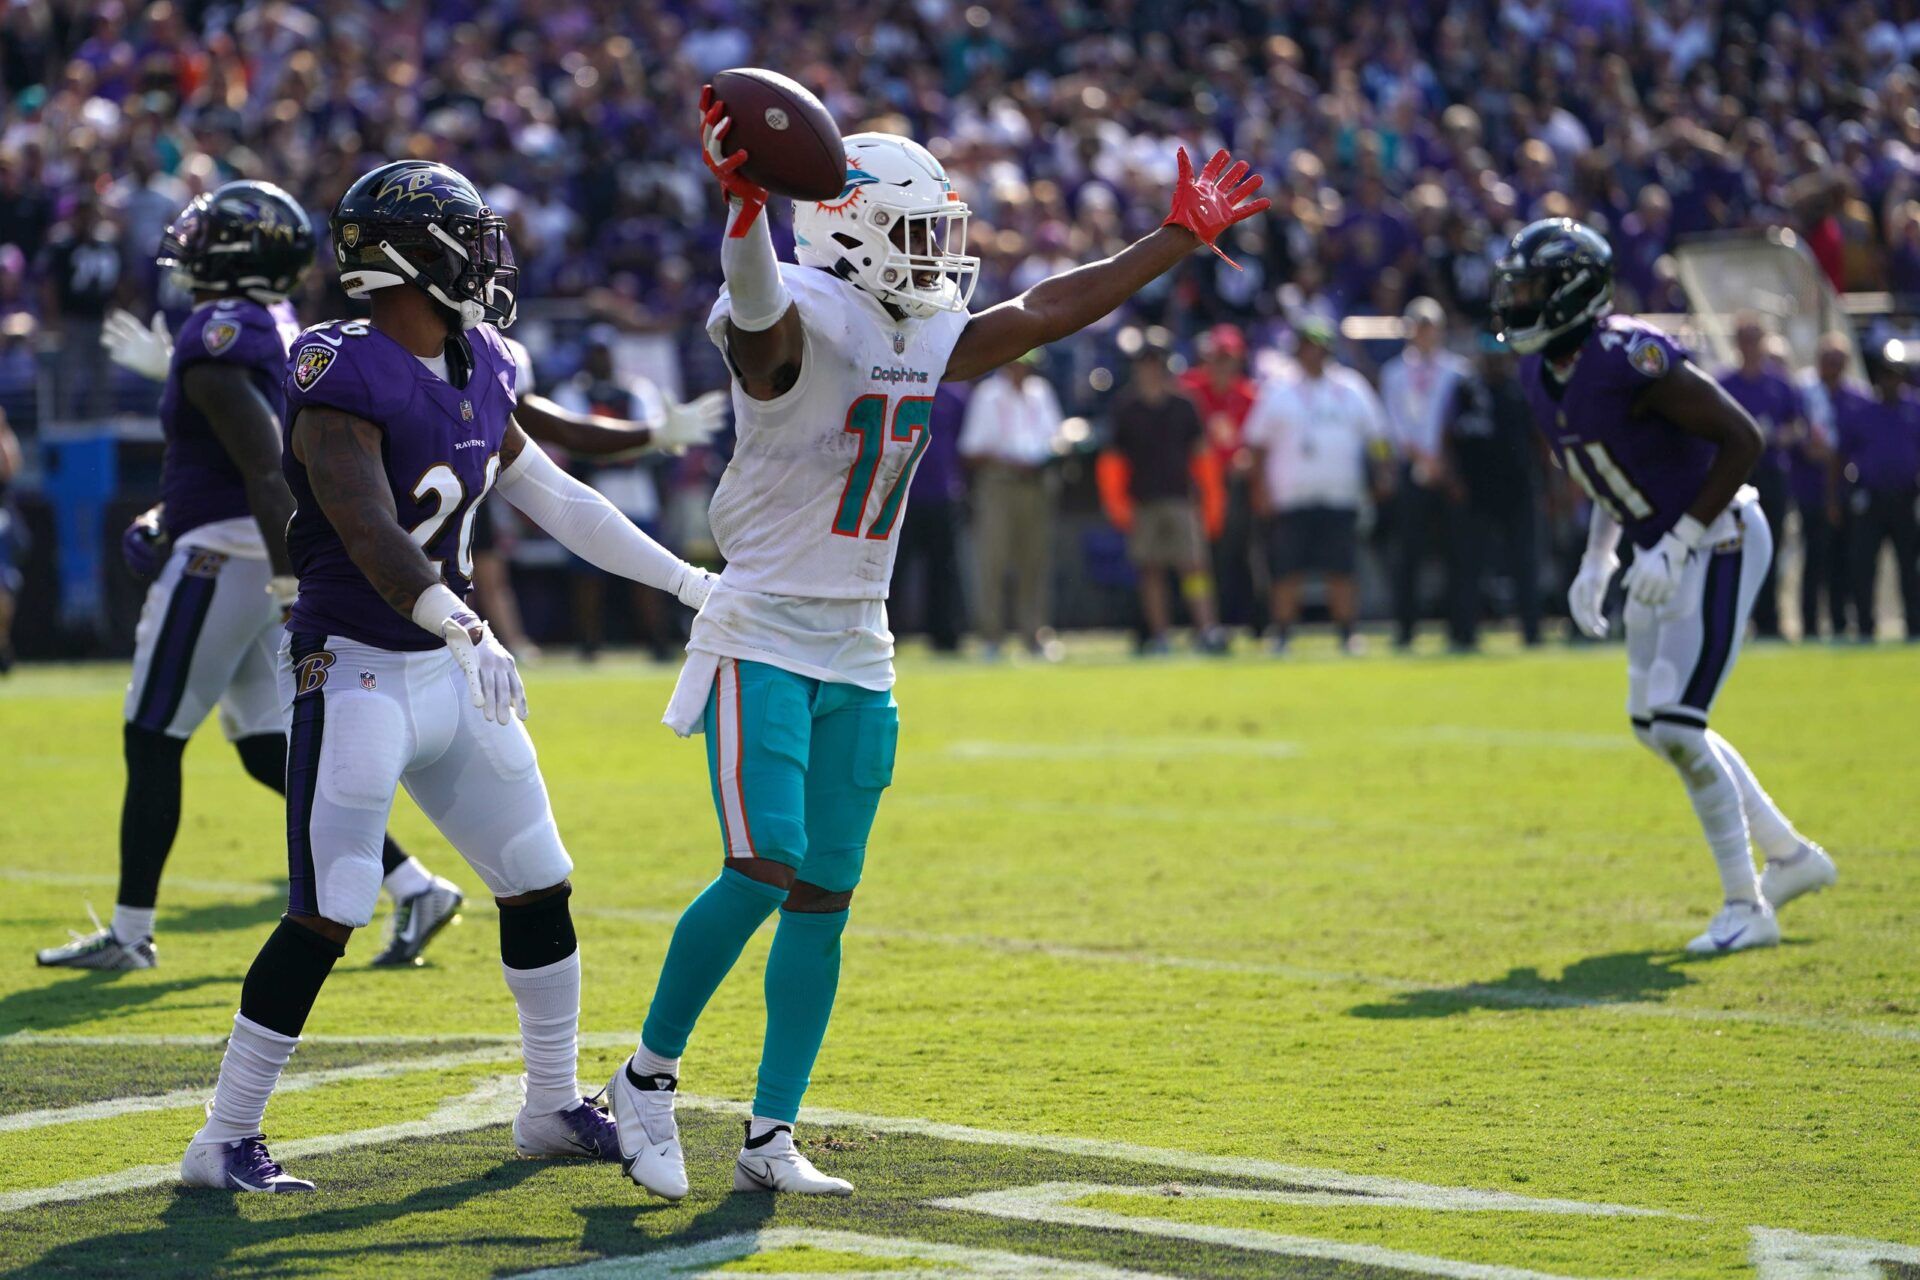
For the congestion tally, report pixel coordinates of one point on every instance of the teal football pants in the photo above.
(797, 767)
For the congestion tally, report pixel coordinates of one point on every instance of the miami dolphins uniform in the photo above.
(791, 664)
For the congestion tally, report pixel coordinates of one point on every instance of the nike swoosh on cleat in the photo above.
(1724, 943)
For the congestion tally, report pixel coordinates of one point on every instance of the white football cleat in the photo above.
(772, 1164)
(1739, 925)
(1809, 870)
(236, 1166)
(584, 1132)
(649, 1139)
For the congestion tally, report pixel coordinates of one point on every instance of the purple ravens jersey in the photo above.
(198, 481)
(442, 454)
(1775, 406)
(1640, 468)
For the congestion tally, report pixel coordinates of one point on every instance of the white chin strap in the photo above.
(470, 313)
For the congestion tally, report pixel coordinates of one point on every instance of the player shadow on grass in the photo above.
(86, 996)
(1619, 978)
(226, 917)
(202, 1232)
(617, 1229)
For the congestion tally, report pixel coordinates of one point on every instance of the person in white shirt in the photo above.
(1417, 387)
(1317, 438)
(1007, 440)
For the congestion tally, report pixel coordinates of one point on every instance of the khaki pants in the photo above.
(1012, 537)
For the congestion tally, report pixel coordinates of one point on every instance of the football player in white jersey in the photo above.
(789, 673)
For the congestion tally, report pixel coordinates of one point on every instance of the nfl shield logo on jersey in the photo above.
(219, 335)
(367, 681)
(311, 363)
(899, 344)
(466, 411)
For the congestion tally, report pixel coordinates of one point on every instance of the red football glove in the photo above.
(1211, 203)
(714, 123)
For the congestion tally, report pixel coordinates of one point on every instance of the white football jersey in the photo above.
(811, 504)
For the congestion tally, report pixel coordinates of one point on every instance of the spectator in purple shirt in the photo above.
(1878, 458)
(930, 538)
(1760, 386)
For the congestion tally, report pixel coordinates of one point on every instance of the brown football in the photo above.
(792, 144)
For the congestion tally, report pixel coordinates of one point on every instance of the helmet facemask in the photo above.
(897, 230)
(468, 269)
(1535, 306)
(926, 268)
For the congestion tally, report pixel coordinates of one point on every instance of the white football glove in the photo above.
(693, 423)
(694, 586)
(1587, 595)
(492, 678)
(146, 351)
(1654, 575)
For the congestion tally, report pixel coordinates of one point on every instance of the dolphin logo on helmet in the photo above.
(896, 230)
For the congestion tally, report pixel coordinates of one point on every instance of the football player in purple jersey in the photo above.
(399, 427)
(216, 548)
(1664, 452)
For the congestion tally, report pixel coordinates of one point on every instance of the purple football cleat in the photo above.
(584, 1133)
(236, 1166)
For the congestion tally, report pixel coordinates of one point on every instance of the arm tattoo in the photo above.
(342, 457)
(249, 431)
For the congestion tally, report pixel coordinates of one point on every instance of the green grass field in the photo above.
(1315, 968)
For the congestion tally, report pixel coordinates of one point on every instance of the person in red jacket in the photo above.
(1220, 388)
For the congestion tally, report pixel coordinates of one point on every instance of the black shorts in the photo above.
(1313, 540)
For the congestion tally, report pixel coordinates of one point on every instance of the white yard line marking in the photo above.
(1397, 1191)
(295, 1082)
(1788, 1255)
(491, 1102)
(953, 1262)
(83, 880)
(1051, 1203)
(1123, 749)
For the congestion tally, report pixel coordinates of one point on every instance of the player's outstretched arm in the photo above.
(1204, 205)
(342, 455)
(249, 430)
(595, 435)
(1699, 406)
(765, 343)
(585, 523)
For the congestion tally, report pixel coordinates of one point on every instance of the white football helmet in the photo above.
(897, 229)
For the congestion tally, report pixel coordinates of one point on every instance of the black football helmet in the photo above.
(420, 223)
(246, 237)
(1552, 284)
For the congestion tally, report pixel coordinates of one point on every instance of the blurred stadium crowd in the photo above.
(1402, 142)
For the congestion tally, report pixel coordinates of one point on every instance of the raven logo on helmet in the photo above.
(248, 238)
(419, 223)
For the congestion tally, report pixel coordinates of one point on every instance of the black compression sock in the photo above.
(150, 813)
(537, 934)
(286, 977)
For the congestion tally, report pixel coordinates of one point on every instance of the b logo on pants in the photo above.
(310, 673)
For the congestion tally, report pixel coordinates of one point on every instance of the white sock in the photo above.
(1716, 802)
(408, 879)
(1771, 830)
(646, 1062)
(760, 1126)
(130, 924)
(252, 1065)
(549, 1003)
